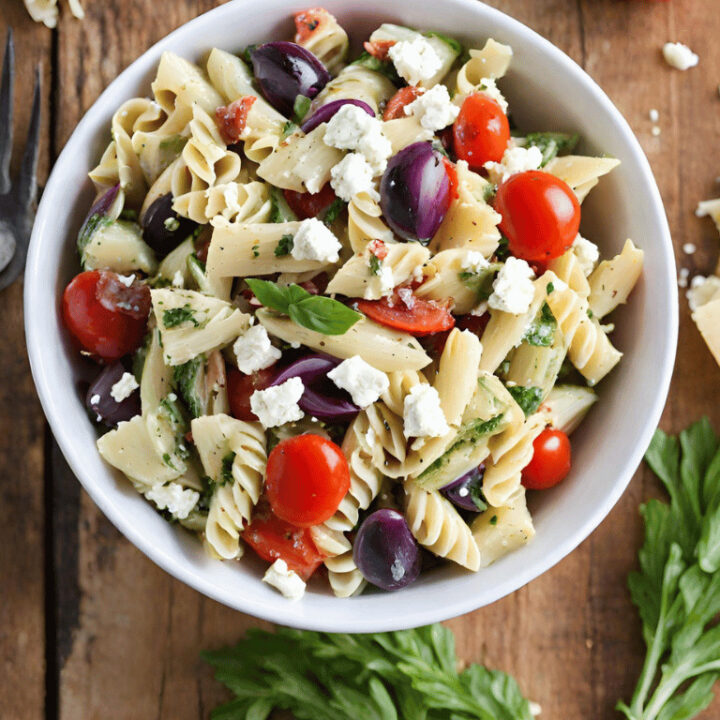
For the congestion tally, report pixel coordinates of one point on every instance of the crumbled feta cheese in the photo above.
(480, 309)
(587, 253)
(422, 414)
(689, 248)
(351, 128)
(352, 176)
(385, 280)
(656, 131)
(515, 160)
(702, 291)
(124, 387)
(174, 498)
(434, 109)
(178, 280)
(654, 115)
(172, 397)
(315, 241)
(535, 709)
(683, 277)
(126, 280)
(171, 224)
(415, 60)
(489, 87)
(474, 261)
(513, 289)
(254, 351)
(364, 383)
(287, 581)
(95, 399)
(679, 56)
(278, 405)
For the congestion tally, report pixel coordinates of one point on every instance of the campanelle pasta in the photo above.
(329, 334)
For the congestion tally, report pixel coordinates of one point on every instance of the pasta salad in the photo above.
(342, 308)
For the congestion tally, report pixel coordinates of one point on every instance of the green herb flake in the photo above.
(503, 251)
(541, 332)
(375, 264)
(256, 251)
(285, 245)
(168, 461)
(301, 107)
(178, 316)
(384, 67)
(288, 129)
(333, 212)
(226, 475)
(527, 397)
(493, 520)
(552, 144)
(454, 44)
(489, 192)
(549, 288)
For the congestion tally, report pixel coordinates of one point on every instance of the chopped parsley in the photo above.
(226, 475)
(375, 264)
(284, 246)
(493, 520)
(503, 251)
(489, 192)
(301, 106)
(288, 129)
(256, 251)
(178, 316)
(384, 67)
(549, 288)
(333, 212)
(527, 397)
(552, 144)
(541, 332)
(480, 282)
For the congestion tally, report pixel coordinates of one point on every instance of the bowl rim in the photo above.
(282, 612)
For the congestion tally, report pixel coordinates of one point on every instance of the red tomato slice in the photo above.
(417, 317)
(104, 316)
(551, 460)
(395, 107)
(310, 205)
(241, 387)
(379, 48)
(308, 21)
(231, 119)
(481, 131)
(307, 477)
(540, 215)
(272, 538)
(378, 248)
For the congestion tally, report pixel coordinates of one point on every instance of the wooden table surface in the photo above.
(90, 628)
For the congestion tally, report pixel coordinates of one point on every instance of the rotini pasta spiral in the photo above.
(365, 223)
(568, 268)
(491, 62)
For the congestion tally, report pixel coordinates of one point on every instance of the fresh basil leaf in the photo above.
(270, 294)
(552, 144)
(527, 397)
(324, 315)
(296, 293)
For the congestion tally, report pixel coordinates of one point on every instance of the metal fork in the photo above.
(17, 199)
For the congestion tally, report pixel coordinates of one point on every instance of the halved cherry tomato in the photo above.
(272, 538)
(307, 477)
(395, 107)
(540, 215)
(379, 48)
(378, 248)
(308, 21)
(551, 460)
(241, 387)
(310, 205)
(231, 119)
(481, 131)
(106, 317)
(452, 176)
(413, 315)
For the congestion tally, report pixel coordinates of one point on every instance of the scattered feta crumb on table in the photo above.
(654, 115)
(689, 248)
(679, 56)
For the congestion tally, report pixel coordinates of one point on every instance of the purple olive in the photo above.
(163, 228)
(321, 398)
(415, 192)
(466, 491)
(107, 207)
(103, 406)
(385, 550)
(324, 113)
(285, 70)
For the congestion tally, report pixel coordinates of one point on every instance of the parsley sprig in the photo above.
(405, 675)
(677, 588)
(315, 312)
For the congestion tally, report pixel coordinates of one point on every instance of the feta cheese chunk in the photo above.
(178, 280)
(489, 87)
(679, 56)
(124, 387)
(351, 176)
(422, 414)
(515, 160)
(513, 288)
(415, 60)
(174, 498)
(351, 128)
(474, 261)
(364, 383)
(254, 351)
(287, 581)
(278, 405)
(434, 109)
(587, 254)
(315, 241)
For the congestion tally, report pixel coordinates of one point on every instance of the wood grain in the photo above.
(122, 636)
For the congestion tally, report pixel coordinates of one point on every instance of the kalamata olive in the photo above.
(325, 112)
(103, 406)
(321, 398)
(415, 191)
(285, 70)
(385, 550)
(163, 228)
(466, 491)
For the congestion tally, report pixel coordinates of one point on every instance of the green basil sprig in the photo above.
(315, 312)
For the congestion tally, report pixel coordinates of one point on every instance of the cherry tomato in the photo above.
(241, 387)
(481, 131)
(310, 205)
(411, 314)
(551, 460)
(379, 48)
(307, 477)
(540, 215)
(106, 317)
(395, 107)
(308, 21)
(272, 538)
(231, 119)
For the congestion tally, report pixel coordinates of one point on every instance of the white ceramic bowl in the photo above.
(547, 91)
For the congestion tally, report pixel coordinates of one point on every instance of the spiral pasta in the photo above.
(491, 62)
(365, 223)
(612, 280)
(568, 268)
